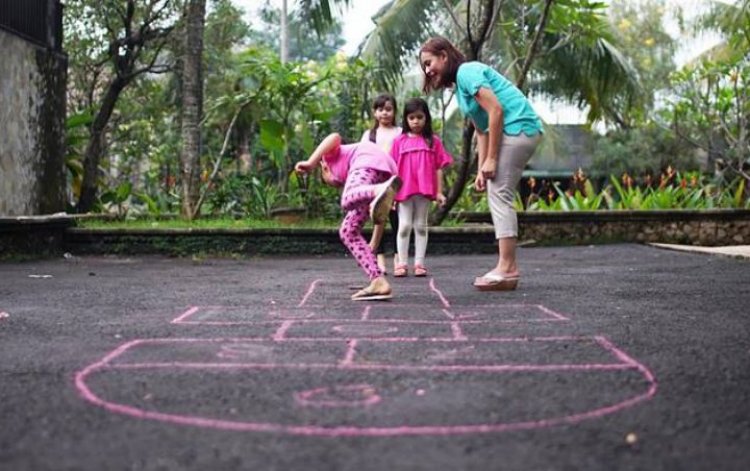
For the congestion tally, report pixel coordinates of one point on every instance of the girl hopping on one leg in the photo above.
(420, 157)
(368, 176)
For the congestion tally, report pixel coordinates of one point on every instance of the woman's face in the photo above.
(433, 67)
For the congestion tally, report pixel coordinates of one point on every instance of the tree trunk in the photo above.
(95, 147)
(192, 106)
(284, 56)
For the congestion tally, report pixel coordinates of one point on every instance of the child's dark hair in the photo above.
(413, 105)
(379, 102)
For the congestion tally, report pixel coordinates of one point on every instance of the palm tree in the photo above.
(732, 21)
(192, 105)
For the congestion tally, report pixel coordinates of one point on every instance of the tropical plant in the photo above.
(711, 109)
(75, 138)
(644, 149)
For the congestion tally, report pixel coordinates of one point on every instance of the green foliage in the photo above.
(326, 39)
(671, 190)
(639, 28)
(711, 108)
(274, 114)
(75, 140)
(647, 149)
(117, 197)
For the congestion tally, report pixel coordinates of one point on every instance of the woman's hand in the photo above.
(440, 199)
(488, 169)
(480, 184)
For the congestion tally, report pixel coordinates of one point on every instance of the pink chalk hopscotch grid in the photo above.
(339, 349)
(237, 315)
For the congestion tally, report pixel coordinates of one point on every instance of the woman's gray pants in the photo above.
(515, 152)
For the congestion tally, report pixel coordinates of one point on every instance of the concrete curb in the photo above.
(735, 251)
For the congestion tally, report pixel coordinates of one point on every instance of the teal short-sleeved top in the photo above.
(518, 115)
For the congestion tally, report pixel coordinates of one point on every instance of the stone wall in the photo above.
(32, 128)
(54, 235)
(705, 227)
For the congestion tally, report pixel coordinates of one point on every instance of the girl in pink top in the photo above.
(368, 176)
(420, 157)
(382, 133)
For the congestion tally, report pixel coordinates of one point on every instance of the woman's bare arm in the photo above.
(489, 103)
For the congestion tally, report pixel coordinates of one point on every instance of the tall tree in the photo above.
(117, 42)
(192, 105)
(642, 37)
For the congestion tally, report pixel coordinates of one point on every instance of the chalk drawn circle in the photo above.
(364, 329)
(645, 387)
(353, 395)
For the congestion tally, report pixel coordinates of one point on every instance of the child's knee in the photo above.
(345, 233)
(404, 230)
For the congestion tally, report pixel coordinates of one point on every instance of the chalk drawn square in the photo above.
(487, 355)
(506, 313)
(254, 351)
(368, 329)
(406, 312)
(251, 315)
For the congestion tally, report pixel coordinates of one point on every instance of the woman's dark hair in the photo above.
(379, 102)
(439, 46)
(413, 105)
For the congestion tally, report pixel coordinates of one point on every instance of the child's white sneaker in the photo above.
(384, 195)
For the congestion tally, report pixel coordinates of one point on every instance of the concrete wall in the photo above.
(32, 128)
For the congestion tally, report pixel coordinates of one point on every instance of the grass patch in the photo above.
(219, 223)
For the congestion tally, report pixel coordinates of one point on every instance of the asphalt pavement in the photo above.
(605, 357)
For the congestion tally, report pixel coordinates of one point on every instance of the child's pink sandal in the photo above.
(400, 271)
(420, 270)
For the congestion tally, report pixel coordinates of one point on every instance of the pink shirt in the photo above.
(350, 157)
(384, 137)
(418, 165)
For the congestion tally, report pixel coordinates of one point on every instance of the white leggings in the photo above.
(412, 214)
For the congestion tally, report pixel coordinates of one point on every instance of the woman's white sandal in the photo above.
(492, 281)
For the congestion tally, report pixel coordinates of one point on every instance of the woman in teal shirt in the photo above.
(508, 132)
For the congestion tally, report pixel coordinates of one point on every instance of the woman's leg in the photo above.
(405, 225)
(421, 211)
(515, 153)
